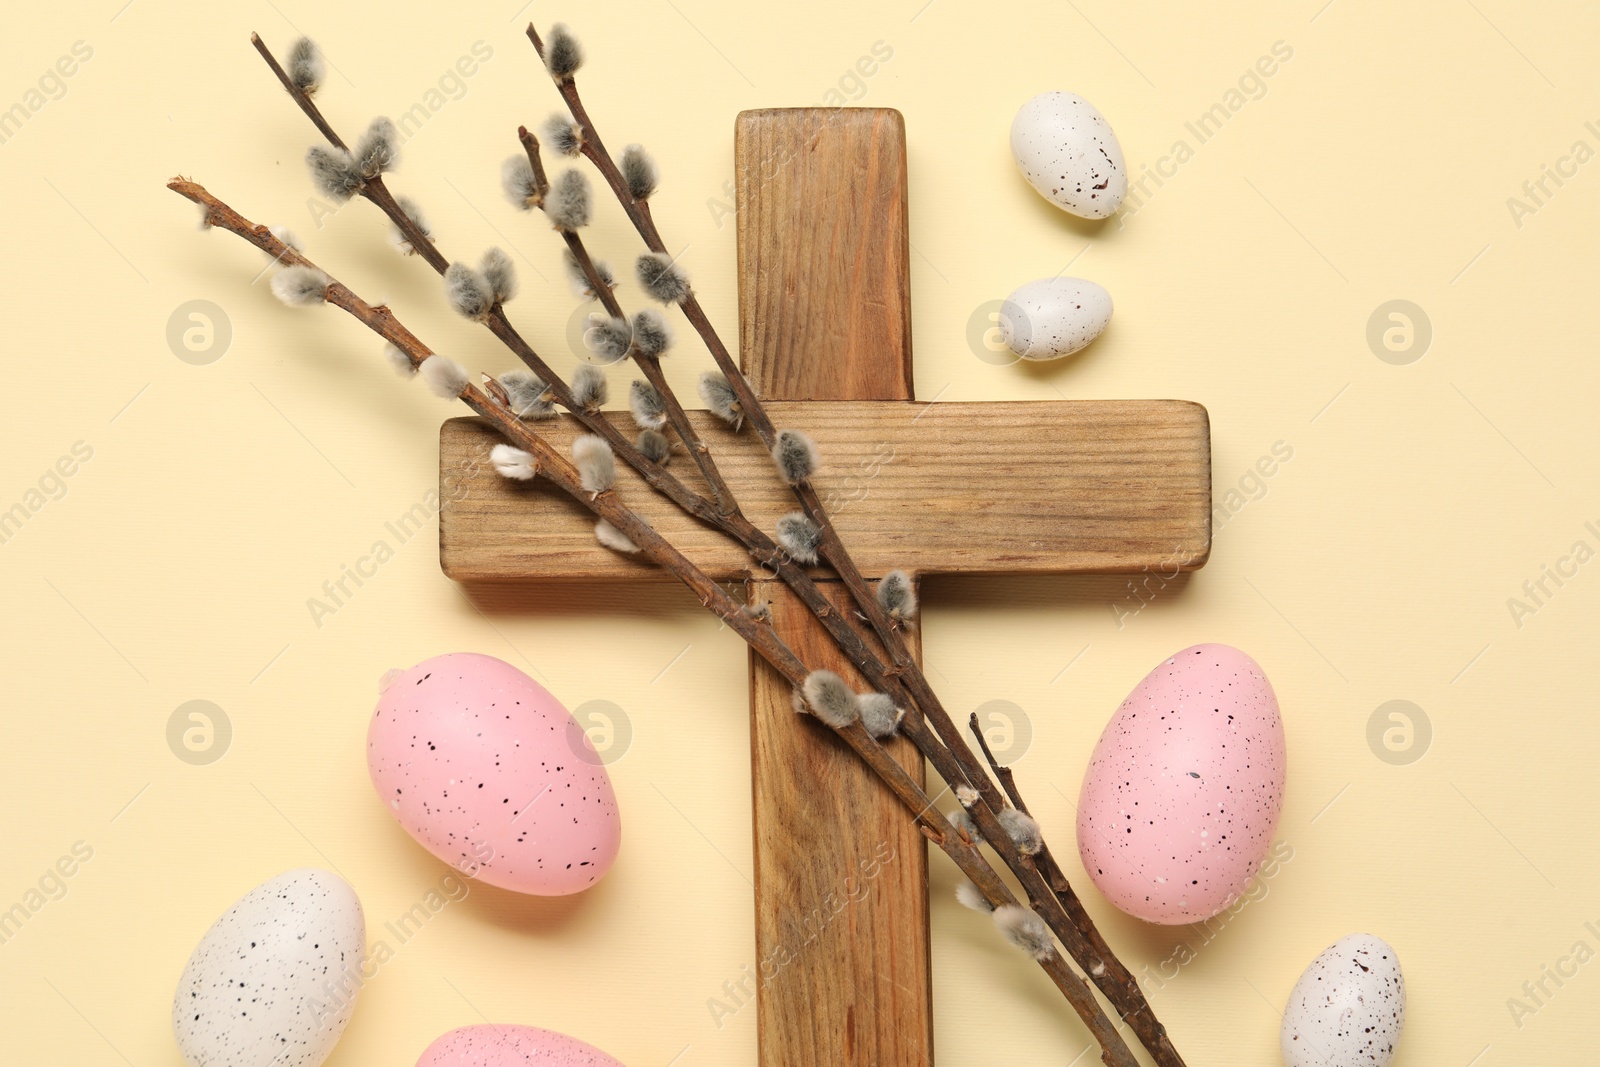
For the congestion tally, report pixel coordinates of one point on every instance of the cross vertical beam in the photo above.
(841, 872)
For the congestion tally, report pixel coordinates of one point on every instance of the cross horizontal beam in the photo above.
(1044, 487)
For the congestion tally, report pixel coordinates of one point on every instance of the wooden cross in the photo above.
(966, 488)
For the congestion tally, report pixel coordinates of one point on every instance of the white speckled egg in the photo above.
(1054, 317)
(1066, 150)
(1348, 1008)
(1184, 788)
(492, 1045)
(491, 774)
(274, 981)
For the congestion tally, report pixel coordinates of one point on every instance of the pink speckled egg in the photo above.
(512, 1046)
(491, 774)
(1184, 788)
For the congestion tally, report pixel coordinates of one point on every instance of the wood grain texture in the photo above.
(824, 274)
(1053, 487)
(841, 873)
(841, 879)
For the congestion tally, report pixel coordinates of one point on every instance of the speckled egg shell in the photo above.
(491, 774)
(1184, 788)
(274, 981)
(1054, 317)
(1066, 150)
(512, 1046)
(1347, 1008)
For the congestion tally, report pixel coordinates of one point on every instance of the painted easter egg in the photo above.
(275, 979)
(490, 773)
(1184, 788)
(1348, 1007)
(512, 1046)
(1066, 150)
(1054, 317)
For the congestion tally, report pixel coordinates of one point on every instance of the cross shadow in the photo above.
(666, 600)
(656, 600)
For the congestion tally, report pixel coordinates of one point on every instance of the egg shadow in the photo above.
(517, 913)
(1041, 370)
(522, 913)
(1066, 222)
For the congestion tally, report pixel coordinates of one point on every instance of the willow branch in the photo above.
(500, 325)
(608, 505)
(650, 365)
(300, 96)
(1091, 952)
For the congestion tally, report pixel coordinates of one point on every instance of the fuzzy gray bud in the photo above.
(513, 463)
(972, 897)
(300, 286)
(796, 456)
(286, 235)
(663, 279)
(597, 465)
(500, 274)
(652, 336)
(527, 395)
(379, 148)
(721, 399)
(614, 538)
(399, 361)
(879, 714)
(569, 201)
(639, 172)
(468, 292)
(799, 537)
(580, 278)
(831, 699)
(897, 596)
(444, 377)
(654, 446)
(563, 55)
(1024, 929)
(589, 389)
(398, 237)
(335, 172)
(305, 67)
(1023, 831)
(564, 136)
(648, 407)
(962, 820)
(608, 338)
(519, 184)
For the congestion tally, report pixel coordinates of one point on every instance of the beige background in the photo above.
(1375, 565)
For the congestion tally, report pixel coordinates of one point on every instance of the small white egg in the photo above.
(1067, 151)
(1054, 317)
(274, 981)
(1347, 1008)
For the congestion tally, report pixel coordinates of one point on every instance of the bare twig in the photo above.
(541, 183)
